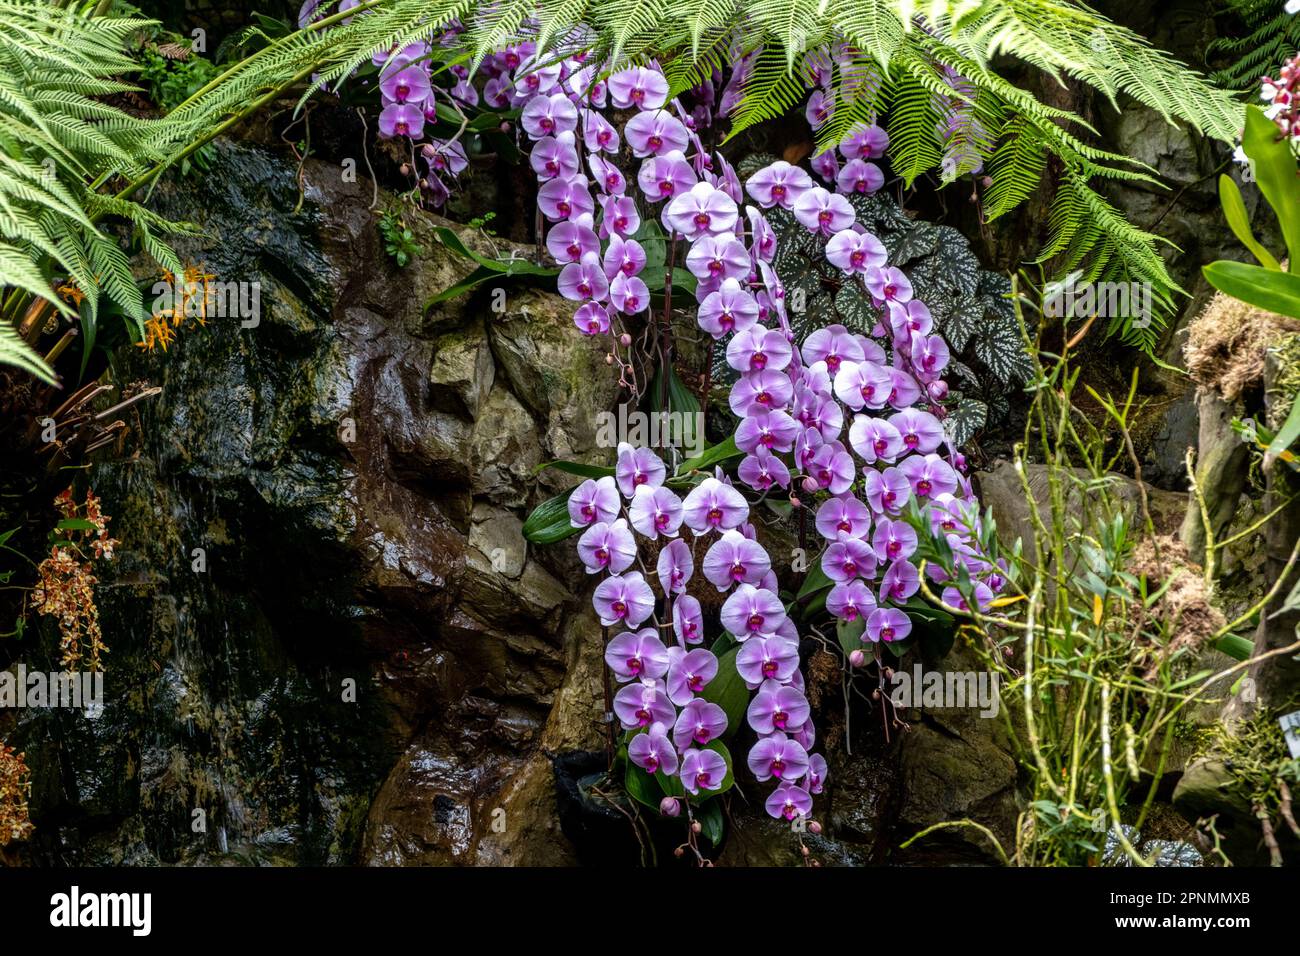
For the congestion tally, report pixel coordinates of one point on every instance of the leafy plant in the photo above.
(59, 144)
(1272, 36)
(1267, 285)
(400, 243)
(173, 73)
(1092, 641)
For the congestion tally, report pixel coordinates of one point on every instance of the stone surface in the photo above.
(956, 765)
(1001, 489)
(1221, 471)
(374, 667)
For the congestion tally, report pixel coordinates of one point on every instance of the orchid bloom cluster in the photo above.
(797, 402)
(656, 653)
(592, 205)
(410, 98)
(1282, 95)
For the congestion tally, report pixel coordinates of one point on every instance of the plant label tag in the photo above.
(1291, 732)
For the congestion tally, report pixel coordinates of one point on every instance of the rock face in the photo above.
(370, 665)
(1000, 488)
(956, 764)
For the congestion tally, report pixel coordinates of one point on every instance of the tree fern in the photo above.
(913, 141)
(1015, 168)
(770, 90)
(57, 145)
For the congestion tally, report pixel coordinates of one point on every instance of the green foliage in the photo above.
(400, 243)
(1271, 38)
(1265, 286)
(1268, 289)
(549, 522)
(14, 351)
(1103, 671)
(59, 141)
(172, 80)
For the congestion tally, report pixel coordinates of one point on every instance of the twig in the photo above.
(1285, 806)
(1109, 777)
(1270, 838)
(946, 824)
(365, 152)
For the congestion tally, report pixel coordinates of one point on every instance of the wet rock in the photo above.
(955, 764)
(863, 795)
(462, 372)
(557, 372)
(499, 536)
(372, 664)
(1000, 488)
(1207, 789)
(1221, 469)
(503, 450)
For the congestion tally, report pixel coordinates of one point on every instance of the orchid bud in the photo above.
(696, 826)
(938, 390)
(857, 658)
(625, 340)
(428, 151)
(406, 169)
(795, 502)
(815, 827)
(670, 807)
(609, 358)
(810, 486)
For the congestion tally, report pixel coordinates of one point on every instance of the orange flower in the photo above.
(72, 294)
(65, 589)
(15, 786)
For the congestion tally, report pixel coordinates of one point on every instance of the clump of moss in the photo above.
(1262, 769)
(1187, 616)
(1227, 344)
(1287, 383)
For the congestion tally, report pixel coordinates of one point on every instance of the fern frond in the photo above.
(913, 121)
(772, 89)
(14, 351)
(1015, 168)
